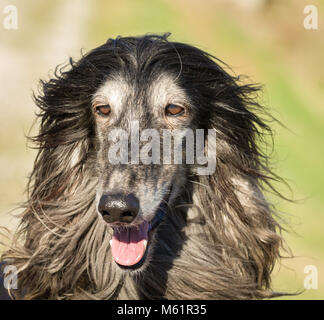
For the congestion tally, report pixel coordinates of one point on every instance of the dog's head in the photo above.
(146, 105)
(127, 135)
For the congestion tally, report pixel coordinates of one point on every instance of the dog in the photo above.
(97, 227)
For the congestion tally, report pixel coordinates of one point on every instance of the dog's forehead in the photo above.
(164, 90)
(113, 92)
(160, 91)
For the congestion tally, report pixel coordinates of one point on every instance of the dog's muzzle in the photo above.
(129, 242)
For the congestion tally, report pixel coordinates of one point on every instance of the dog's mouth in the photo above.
(129, 245)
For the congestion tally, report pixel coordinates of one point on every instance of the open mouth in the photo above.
(129, 245)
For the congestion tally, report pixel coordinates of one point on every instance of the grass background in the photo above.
(265, 40)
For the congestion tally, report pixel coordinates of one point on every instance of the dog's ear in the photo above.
(243, 223)
(235, 198)
(65, 140)
(59, 210)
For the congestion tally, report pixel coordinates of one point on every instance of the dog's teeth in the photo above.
(145, 243)
(110, 242)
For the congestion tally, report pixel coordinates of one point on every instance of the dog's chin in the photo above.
(131, 245)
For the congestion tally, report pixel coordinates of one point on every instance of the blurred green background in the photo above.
(263, 39)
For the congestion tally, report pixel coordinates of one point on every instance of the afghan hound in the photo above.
(96, 226)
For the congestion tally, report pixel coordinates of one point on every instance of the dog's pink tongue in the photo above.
(129, 244)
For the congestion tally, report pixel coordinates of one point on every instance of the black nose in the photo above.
(118, 207)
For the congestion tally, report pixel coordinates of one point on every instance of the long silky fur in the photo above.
(220, 239)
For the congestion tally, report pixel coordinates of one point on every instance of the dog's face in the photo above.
(133, 197)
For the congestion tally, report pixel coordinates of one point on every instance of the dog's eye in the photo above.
(174, 110)
(103, 110)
